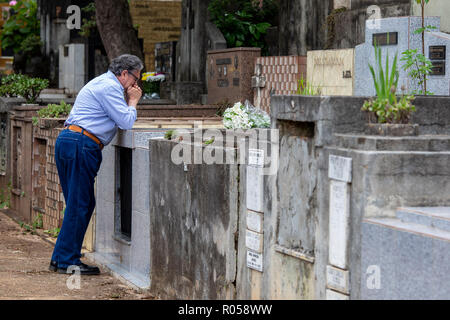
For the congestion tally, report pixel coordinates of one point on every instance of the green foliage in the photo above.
(38, 222)
(5, 197)
(90, 24)
(418, 67)
(55, 110)
(169, 134)
(30, 88)
(53, 232)
(209, 141)
(149, 87)
(243, 23)
(307, 89)
(21, 25)
(18, 85)
(387, 108)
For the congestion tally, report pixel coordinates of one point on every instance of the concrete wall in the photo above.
(194, 211)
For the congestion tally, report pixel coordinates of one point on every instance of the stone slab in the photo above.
(255, 221)
(254, 241)
(436, 217)
(255, 260)
(340, 168)
(338, 279)
(413, 260)
(333, 295)
(339, 223)
(255, 189)
(331, 71)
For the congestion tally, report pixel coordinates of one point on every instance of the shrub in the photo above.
(244, 23)
(386, 107)
(19, 85)
(55, 110)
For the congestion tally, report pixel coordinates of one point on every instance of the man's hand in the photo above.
(134, 94)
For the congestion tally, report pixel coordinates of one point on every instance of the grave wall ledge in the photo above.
(342, 114)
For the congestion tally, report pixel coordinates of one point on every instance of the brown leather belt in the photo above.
(78, 129)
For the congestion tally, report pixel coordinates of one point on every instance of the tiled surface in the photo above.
(282, 74)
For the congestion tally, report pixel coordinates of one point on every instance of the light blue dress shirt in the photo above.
(100, 108)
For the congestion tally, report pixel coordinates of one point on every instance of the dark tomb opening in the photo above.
(125, 191)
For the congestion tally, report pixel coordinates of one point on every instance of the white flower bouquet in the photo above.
(151, 84)
(245, 117)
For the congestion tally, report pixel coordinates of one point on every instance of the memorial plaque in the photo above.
(255, 186)
(254, 241)
(141, 138)
(339, 223)
(338, 279)
(385, 39)
(340, 168)
(256, 157)
(225, 61)
(222, 83)
(437, 52)
(438, 68)
(254, 261)
(236, 82)
(255, 221)
(331, 71)
(333, 295)
(3, 145)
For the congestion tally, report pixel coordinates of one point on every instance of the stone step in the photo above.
(434, 217)
(411, 227)
(429, 143)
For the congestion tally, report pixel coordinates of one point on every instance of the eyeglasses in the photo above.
(135, 78)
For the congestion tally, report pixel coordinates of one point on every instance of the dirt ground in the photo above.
(24, 274)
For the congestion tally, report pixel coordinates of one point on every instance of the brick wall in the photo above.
(281, 75)
(159, 21)
(47, 197)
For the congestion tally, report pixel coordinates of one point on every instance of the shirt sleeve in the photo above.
(113, 102)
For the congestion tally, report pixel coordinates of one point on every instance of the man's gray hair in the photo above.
(125, 62)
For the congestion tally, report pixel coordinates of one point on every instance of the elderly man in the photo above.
(104, 104)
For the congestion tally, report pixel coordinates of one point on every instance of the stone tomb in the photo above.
(230, 74)
(396, 35)
(331, 71)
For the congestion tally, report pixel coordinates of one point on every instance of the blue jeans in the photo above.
(78, 160)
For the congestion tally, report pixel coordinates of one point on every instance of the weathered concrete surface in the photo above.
(387, 172)
(411, 254)
(194, 222)
(127, 257)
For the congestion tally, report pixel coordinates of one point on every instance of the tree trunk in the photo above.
(116, 29)
(423, 44)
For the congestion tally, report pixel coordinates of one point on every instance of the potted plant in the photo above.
(52, 116)
(388, 113)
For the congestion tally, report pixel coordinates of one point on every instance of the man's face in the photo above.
(129, 78)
